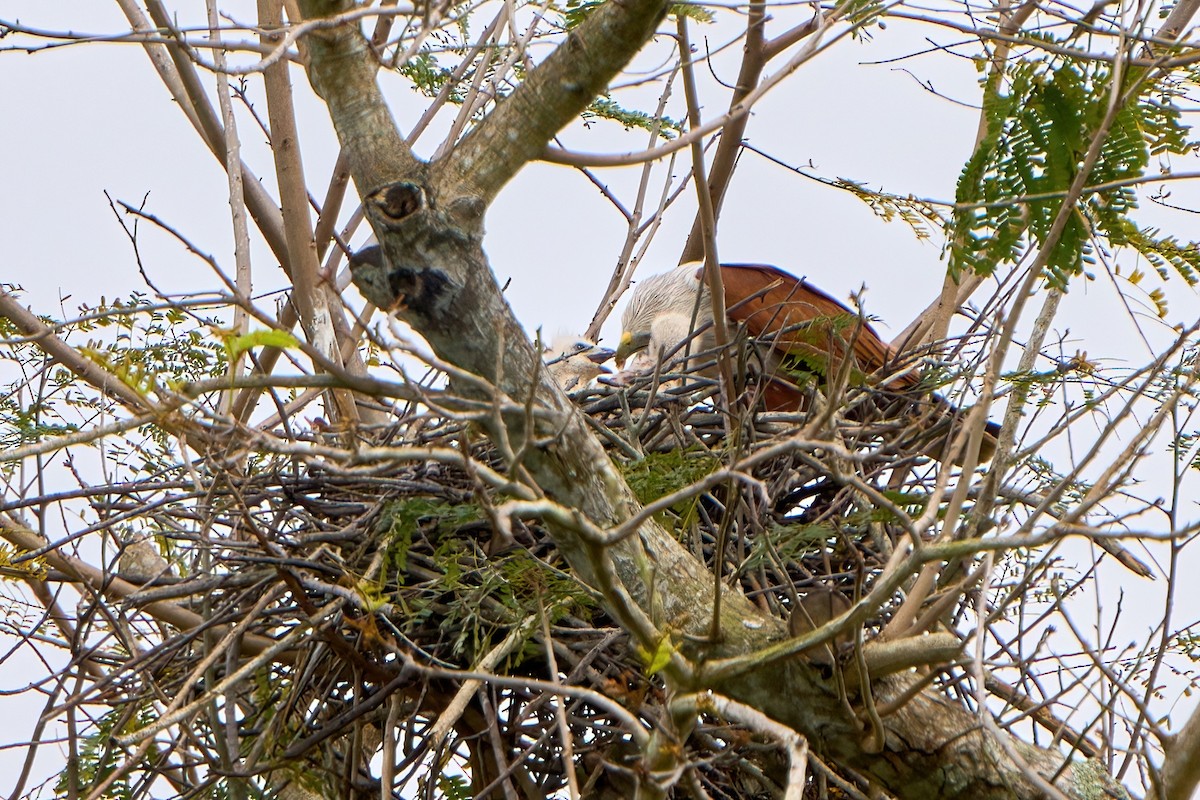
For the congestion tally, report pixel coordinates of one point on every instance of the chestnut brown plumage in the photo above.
(802, 329)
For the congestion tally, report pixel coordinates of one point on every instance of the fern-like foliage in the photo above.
(140, 342)
(14, 567)
(1039, 129)
(862, 13)
(919, 215)
(428, 76)
(98, 758)
(431, 69)
(660, 474)
(609, 109)
(576, 11)
(1165, 253)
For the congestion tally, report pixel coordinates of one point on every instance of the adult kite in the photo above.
(803, 332)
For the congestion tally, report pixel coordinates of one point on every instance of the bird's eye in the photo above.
(581, 346)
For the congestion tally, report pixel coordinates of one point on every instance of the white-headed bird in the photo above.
(573, 361)
(802, 332)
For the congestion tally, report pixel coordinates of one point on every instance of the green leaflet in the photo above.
(659, 474)
(402, 517)
(1039, 129)
(660, 658)
(607, 108)
(267, 337)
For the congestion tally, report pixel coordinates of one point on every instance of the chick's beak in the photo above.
(598, 355)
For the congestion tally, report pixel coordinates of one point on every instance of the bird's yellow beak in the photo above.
(630, 343)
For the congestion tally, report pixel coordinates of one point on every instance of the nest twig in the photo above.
(395, 585)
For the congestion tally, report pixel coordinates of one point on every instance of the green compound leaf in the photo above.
(268, 337)
(1040, 126)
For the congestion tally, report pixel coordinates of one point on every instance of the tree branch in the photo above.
(555, 93)
(81, 572)
(1181, 768)
(345, 80)
(730, 146)
(62, 353)
(431, 271)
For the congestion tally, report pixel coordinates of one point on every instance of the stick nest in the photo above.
(395, 586)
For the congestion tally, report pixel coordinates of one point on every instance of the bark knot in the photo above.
(397, 287)
(393, 203)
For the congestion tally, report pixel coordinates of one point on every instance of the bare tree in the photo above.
(471, 584)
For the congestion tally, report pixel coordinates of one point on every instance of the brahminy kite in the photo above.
(803, 332)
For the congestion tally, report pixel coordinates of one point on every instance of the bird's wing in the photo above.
(810, 329)
(801, 321)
